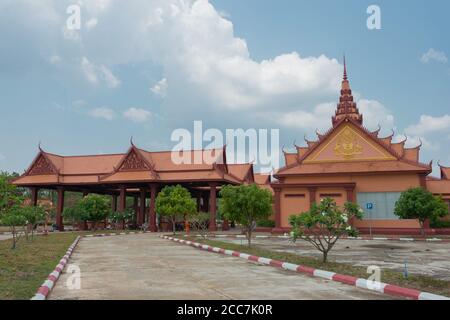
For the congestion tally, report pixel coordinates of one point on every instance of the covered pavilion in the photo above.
(139, 174)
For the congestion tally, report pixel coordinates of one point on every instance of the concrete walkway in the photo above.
(144, 266)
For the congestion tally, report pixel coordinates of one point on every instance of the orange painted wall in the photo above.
(386, 224)
(290, 206)
(364, 183)
(339, 200)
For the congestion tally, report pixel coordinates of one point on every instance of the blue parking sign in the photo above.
(369, 206)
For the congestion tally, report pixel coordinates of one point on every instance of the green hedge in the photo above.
(266, 223)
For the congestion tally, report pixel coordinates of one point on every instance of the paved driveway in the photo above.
(146, 267)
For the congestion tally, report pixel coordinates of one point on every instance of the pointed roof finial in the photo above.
(345, 69)
(131, 141)
(39, 146)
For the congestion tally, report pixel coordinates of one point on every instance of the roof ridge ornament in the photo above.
(346, 107)
(345, 69)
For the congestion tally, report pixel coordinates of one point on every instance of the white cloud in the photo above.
(429, 130)
(55, 59)
(95, 74)
(319, 118)
(137, 115)
(160, 88)
(375, 113)
(102, 113)
(434, 55)
(92, 23)
(428, 124)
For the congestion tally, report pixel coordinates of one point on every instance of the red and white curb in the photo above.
(350, 280)
(45, 289)
(238, 236)
(113, 234)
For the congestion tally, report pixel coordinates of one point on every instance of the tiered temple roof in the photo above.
(350, 147)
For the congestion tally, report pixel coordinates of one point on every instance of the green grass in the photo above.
(24, 269)
(419, 282)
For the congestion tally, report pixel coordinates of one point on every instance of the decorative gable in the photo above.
(134, 162)
(348, 143)
(42, 166)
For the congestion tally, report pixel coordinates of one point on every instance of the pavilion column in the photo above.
(199, 202)
(136, 209)
(114, 203)
(212, 207)
(351, 198)
(152, 210)
(350, 194)
(141, 207)
(277, 192)
(60, 209)
(34, 196)
(205, 203)
(312, 196)
(122, 199)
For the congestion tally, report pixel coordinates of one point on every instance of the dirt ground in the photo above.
(426, 258)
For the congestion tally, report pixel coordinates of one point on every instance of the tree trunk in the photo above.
(173, 226)
(249, 236)
(13, 231)
(325, 255)
(422, 230)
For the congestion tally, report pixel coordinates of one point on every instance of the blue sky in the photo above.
(145, 68)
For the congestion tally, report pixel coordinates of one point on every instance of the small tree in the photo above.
(33, 215)
(174, 202)
(246, 204)
(9, 193)
(72, 214)
(418, 203)
(94, 208)
(324, 224)
(118, 217)
(14, 218)
(200, 223)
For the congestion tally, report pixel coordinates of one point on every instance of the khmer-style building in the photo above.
(351, 163)
(347, 163)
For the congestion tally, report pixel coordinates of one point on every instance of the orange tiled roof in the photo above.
(240, 171)
(48, 168)
(263, 181)
(445, 173)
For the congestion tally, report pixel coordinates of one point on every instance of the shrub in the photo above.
(324, 224)
(246, 204)
(200, 223)
(93, 208)
(421, 204)
(265, 223)
(174, 202)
